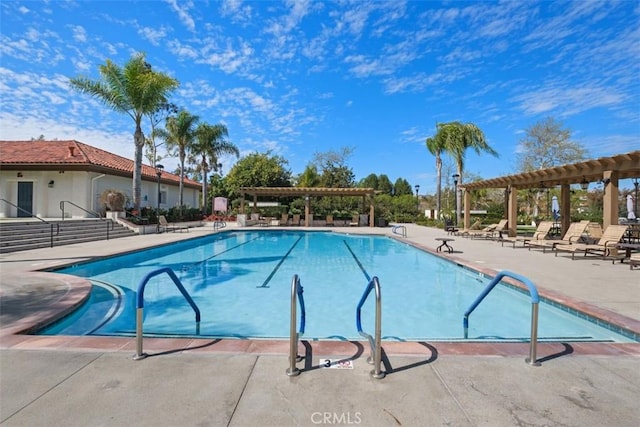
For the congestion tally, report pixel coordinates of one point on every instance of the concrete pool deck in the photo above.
(93, 380)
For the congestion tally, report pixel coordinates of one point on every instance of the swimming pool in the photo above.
(241, 281)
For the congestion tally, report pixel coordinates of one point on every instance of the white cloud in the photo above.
(183, 13)
(79, 33)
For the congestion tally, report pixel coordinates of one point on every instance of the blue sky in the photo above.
(300, 77)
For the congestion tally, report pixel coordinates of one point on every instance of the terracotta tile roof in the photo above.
(79, 156)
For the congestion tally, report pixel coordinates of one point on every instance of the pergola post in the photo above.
(467, 208)
(610, 199)
(565, 207)
(307, 210)
(512, 214)
(371, 212)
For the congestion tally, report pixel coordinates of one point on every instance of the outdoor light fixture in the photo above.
(159, 169)
(584, 184)
(417, 189)
(455, 177)
(605, 181)
(51, 184)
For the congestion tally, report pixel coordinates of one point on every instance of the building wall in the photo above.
(82, 189)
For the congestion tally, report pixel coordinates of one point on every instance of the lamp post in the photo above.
(418, 195)
(635, 198)
(455, 177)
(159, 169)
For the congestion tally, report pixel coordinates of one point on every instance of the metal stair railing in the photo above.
(294, 335)
(51, 225)
(535, 299)
(140, 306)
(375, 343)
(110, 225)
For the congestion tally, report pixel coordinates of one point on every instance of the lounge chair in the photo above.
(634, 260)
(489, 231)
(164, 224)
(573, 235)
(610, 238)
(540, 234)
(355, 221)
(296, 220)
(284, 219)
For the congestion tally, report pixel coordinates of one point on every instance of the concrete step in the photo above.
(20, 236)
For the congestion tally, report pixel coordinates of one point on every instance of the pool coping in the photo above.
(16, 334)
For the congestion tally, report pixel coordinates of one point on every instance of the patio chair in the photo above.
(489, 231)
(573, 235)
(284, 219)
(329, 220)
(540, 234)
(610, 238)
(296, 220)
(164, 224)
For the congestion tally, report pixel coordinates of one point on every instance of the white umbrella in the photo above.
(630, 213)
(555, 208)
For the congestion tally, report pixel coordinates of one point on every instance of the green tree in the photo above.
(384, 185)
(179, 135)
(135, 90)
(402, 188)
(459, 137)
(259, 170)
(371, 181)
(209, 144)
(309, 178)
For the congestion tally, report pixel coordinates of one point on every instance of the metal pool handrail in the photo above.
(294, 336)
(535, 299)
(140, 305)
(395, 229)
(376, 346)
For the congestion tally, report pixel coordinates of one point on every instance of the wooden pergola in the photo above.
(308, 192)
(607, 170)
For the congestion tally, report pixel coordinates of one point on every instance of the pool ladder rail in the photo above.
(375, 358)
(535, 299)
(376, 343)
(140, 306)
(294, 335)
(400, 230)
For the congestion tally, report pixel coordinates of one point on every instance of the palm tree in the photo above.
(135, 90)
(458, 138)
(436, 146)
(179, 134)
(209, 145)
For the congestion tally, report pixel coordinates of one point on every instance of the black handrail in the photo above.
(38, 218)
(110, 225)
(97, 214)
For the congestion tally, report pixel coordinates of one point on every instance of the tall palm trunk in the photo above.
(138, 139)
(439, 185)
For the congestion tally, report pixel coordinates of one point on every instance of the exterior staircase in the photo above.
(16, 235)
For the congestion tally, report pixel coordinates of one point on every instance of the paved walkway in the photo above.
(80, 381)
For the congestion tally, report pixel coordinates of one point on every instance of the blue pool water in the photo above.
(241, 281)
